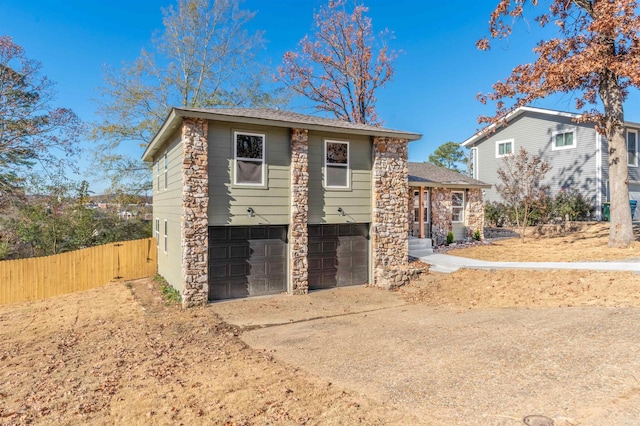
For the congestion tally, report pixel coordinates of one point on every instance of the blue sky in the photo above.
(433, 92)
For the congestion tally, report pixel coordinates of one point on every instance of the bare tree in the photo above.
(521, 186)
(339, 67)
(204, 58)
(595, 53)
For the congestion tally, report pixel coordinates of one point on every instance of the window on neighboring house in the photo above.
(473, 162)
(457, 206)
(504, 148)
(336, 164)
(632, 148)
(165, 236)
(157, 232)
(248, 153)
(166, 170)
(158, 175)
(564, 140)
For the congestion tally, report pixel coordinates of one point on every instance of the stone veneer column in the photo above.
(475, 212)
(299, 241)
(390, 225)
(195, 202)
(441, 215)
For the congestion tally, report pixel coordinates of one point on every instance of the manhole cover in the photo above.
(537, 420)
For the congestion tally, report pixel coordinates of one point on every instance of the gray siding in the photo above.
(228, 203)
(356, 200)
(571, 168)
(167, 205)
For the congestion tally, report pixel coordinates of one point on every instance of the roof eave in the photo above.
(173, 120)
(449, 185)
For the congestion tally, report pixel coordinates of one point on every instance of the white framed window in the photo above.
(248, 158)
(157, 232)
(504, 148)
(457, 206)
(473, 162)
(336, 164)
(157, 167)
(632, 148)
(165, 235)
(565, 139)
(166, 170)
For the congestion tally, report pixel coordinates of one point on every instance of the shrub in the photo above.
(170, 294)
(450, 237)
(5, 249)
(571, 206)
(477, 235)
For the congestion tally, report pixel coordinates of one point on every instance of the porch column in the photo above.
(421, 212)
(390, 224)
(298, 230)
(194, 221)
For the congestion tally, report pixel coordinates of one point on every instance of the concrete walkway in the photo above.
(447, 263)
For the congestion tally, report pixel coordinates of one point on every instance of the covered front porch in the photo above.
(443, 201)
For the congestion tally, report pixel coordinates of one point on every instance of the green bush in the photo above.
(450, 237)
(477, 235)
(170, 294)
(571, 206)
(5, 249)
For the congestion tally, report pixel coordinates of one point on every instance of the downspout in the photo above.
(598, 177)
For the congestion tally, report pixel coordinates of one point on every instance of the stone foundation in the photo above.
(395, 277)
(195, 202)
(298, 231)
(390, 225)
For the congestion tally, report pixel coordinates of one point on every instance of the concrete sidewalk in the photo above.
(447, 263)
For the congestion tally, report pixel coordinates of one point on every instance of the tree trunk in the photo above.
(620, 227)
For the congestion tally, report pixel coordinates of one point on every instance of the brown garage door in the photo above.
(247, 261)
(338, 255)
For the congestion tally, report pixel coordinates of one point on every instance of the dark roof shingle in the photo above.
(439, 176)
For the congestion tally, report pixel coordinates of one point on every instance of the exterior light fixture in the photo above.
(340, 211)
(250, 212)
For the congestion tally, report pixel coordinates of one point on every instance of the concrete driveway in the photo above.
(472, 367)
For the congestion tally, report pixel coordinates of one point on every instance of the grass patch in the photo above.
(171, 295)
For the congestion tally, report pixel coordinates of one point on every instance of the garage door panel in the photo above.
(247, 261)
(338, 255)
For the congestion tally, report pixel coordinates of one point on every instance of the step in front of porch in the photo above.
(419, 247)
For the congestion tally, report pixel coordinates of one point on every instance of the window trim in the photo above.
(235, 158)
(462, 208)
(505, 141)
(347, 166)
(157, 232)
(165, 237)
(626, 138)
(554, 147)
(166, 171)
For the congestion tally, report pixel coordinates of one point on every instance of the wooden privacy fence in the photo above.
(41, 277)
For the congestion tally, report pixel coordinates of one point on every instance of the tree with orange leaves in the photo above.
(596, 53)
(338, 67)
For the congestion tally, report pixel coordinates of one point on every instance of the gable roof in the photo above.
(268, 117)
(522, 110)
(427, 174)
(513, 114)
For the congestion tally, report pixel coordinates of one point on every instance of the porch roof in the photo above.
(430, 175)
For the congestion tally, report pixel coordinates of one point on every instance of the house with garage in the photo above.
(577, 153)
(443, 201)
(259, 201)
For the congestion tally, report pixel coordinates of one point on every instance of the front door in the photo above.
(415, 231)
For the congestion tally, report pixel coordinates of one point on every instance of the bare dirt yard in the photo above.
(120, 355)
(572, 242)
(115, 355)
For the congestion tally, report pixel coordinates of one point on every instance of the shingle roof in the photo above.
(293, 117)
(269, 117)
(432, 175)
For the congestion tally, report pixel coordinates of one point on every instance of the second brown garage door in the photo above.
(338, 255)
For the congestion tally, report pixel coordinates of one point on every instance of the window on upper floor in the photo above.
(632, 148)
(336, 164)
(166, 171)
(504, 148)
(457, 206)
(248, 154)
(564, 140)
(157, 167)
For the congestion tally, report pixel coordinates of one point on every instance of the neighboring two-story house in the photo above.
(258, 201)
(577, 153)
